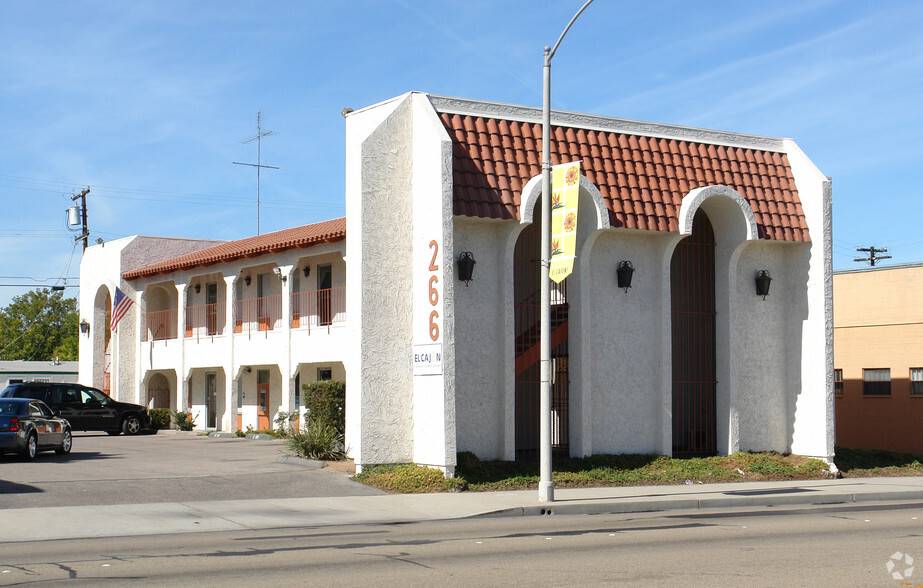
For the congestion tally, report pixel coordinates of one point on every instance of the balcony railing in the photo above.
(258, 314)
(159, 325)
(318, 308)
(206, 320)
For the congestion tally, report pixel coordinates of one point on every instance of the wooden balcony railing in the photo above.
(158, 325)
(206, 320)
(258, 314)
(318, 308)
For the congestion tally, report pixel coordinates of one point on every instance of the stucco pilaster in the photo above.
(182, 393)
(230, 366)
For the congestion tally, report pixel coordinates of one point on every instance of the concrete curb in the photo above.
(294, 460)
(618, 506)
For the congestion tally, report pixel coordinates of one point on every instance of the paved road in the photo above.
(167, 467)
(840, 545)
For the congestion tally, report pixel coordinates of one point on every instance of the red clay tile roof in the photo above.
(643, 179)
(305, 236)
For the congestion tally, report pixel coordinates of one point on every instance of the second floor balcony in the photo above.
(310, 310)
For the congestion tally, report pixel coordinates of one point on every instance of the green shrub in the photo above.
(317, 441)
(184, 420)
(326, 403)
(286, 423)
(160, 418)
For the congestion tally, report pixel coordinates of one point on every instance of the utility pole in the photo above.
(85, 233)
(875, 254)
(258, 137)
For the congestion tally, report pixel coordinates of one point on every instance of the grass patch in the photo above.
(472, 474)
(408, 478)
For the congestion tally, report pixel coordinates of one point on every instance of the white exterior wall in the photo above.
(483, 348)
(379, 405)
(625, 412)
(434, 427)
(812, 409)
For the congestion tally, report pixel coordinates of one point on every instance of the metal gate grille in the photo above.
(692, 274)
(528, 351)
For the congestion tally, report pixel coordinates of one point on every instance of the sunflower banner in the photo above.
(565, 191)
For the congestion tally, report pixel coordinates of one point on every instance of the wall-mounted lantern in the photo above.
(198, 287)
(84, 326)
(763, 279)
(247, 280)
(465, 267)
(623, 274)
(306, 271)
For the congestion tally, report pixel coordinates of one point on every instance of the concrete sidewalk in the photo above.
(36, 524)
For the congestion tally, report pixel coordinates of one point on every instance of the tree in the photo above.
(40, 325)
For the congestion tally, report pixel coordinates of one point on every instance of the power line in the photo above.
(874, 254)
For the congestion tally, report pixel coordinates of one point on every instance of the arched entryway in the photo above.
(692, 277)
(527, 283)
(102, 335)
(158, 392)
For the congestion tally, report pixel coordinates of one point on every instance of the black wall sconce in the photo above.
(623, 274)
(247, 280)
(84, 326)
(465, 267)
(306, 271)
(763, 279)
(198, 287)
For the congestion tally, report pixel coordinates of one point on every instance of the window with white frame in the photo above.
(877, 382)
(838, 382)
(916, 381)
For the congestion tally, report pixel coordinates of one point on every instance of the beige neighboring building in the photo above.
(878, 359)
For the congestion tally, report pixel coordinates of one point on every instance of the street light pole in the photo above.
(545, 484)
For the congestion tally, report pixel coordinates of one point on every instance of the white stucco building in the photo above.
(687, 361)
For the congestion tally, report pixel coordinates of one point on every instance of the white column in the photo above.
(285, 366)
(230, 368)
(182, 391)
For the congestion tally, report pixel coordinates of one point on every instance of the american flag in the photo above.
(120, 306)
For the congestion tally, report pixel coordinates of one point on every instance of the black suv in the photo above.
(87, 409)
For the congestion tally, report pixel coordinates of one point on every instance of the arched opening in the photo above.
(102, 335)
(158, 392)
(527, 312)
(692, 277)
(159, 319)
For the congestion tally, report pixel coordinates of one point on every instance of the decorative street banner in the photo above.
(565, 191)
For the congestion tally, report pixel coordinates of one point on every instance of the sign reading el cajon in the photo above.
(427, 359)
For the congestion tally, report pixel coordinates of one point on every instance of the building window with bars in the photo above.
(916, 381)
(877, 382)
(838, 382)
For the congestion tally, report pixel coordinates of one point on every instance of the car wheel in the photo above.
(66, 443)
(131, 425)
(31, 448)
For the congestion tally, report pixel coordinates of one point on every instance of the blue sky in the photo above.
(148, 104)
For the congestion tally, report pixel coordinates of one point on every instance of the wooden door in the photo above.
(262, 407)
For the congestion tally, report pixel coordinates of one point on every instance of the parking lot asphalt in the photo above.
(166, 467)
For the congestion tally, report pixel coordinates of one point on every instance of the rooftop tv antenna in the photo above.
(258, 137)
